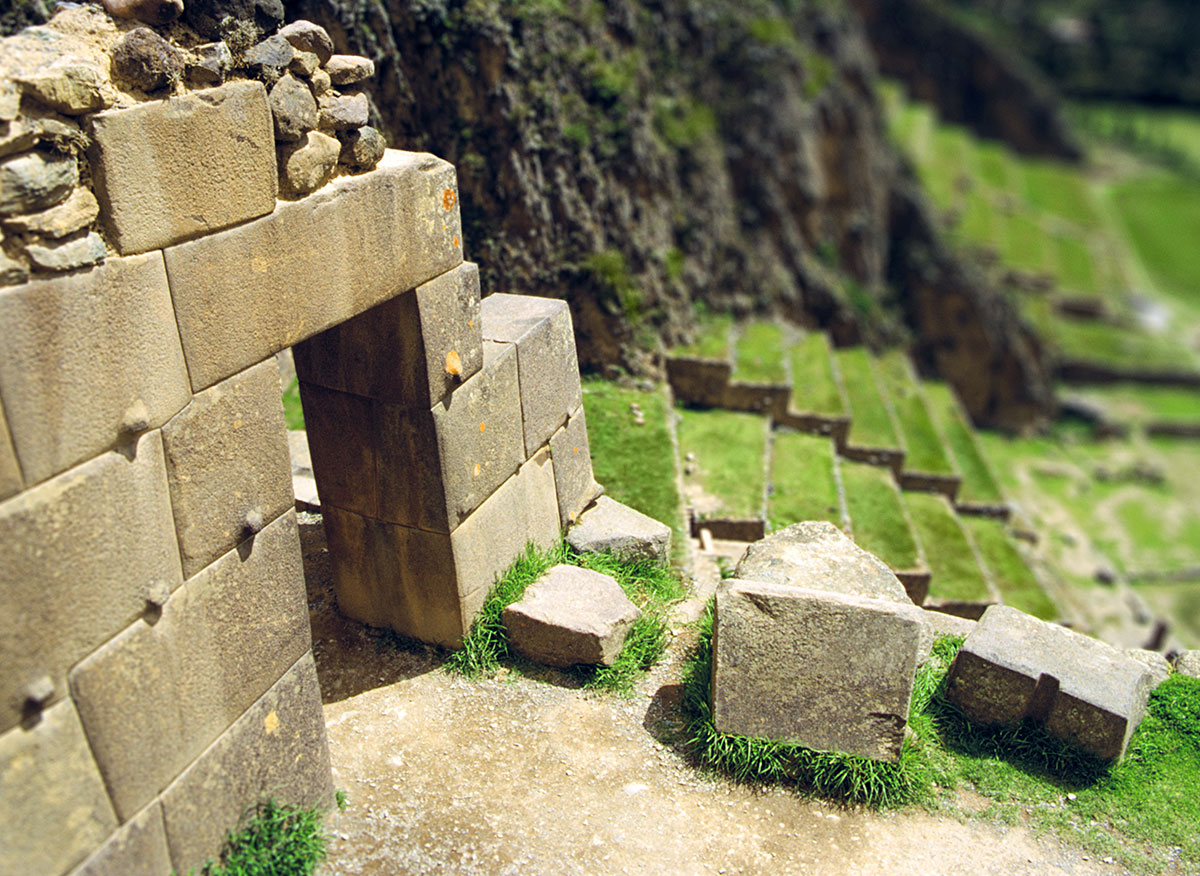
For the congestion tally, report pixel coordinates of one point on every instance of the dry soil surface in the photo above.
(526, 774)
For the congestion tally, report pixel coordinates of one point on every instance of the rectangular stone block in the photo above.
(11, 481)
(88, 359)
(1013, 667)
(277, 749)
(152, 698)
(137, 848)
(546, 359)
(411, 350)
(430, 585)
(53, 809)
(228, 464)
(436, 466)
(247, 292)
(573, 478)
(82, 556)
(342, 432)
(824, 670)
(169, 170)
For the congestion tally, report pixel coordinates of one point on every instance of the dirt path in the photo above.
(517, 775)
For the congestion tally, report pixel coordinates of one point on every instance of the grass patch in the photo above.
(1012, 576)
(279, 840)
(871, 425)
(1134, 403)
(1105, 343)
(877, 517)
(978, 221)
(814, 388)
(925, 451)
(1061, 191)
(978, 483)
(803, 480)
(712, 337)
(1023, 242)
(759, 354)
(996, 165)
(293, 411)
(1161, 217)
(1075, 264)
(729, 448)
(956, 574)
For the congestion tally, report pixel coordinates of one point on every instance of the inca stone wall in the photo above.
(157, 673)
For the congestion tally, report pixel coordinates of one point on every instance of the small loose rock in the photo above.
(270, 58)
(77, 212)
(349, 69)
(308, 165)
(156, 12)
(211, 64)
(304, 64)
(32, 181)
(344, 113)
(78, 253)
(146, 61)
(306, 36)
(293, 108)
(70, 88)
(362, 148)
(320, 82)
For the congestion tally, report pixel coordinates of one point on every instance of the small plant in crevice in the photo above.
(278, 840)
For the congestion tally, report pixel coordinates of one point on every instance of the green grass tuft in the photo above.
(279, 840)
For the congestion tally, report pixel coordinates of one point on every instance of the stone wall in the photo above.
(158, 677)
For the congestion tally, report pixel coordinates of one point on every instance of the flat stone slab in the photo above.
(825, 670)
(819, 556)
(571, 616)
(610, 526)
(1013, 667)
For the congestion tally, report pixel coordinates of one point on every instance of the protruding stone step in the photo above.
(818, 401)
(873, 437)
(724, 480)
(759, 381)
(699, 372)
(959, 584)
(1081, 690)
(631, 535)
(570, 616)
(880, 524)
(927, 466)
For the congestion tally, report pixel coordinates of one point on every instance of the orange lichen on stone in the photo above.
(448, 199)
(453, 363)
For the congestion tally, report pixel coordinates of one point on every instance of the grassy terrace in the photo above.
(871, 425)
(712, 338)
(1161, 217)
(877, 515)
(978, 484)
(925, 451)
(814, 388)
(805, 487)
(1142, 404)
(729, 450)
(636, 464)
(956, 574)
(1061, 191)
(1012, 576)
(759, 354)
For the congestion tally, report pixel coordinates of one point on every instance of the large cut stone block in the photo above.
(1013, 667)
(546, 359)
(277, 749)
(88, 359)
(53, 809)
(573, 468)
(571, 616)
(436, 466)
(228, 464)
(343, 445)
(152, 698)
(410, 350)
(83, 556)
(11, 481)
(245, 293)
(430, 585)
(174, 169)
(137, 848)
(824, 670)
(609, 526)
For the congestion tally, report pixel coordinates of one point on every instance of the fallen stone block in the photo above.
(1188, 663)
(1084, 691)
(573, 478)
(1155, 661)
(170, 170)
(137, 848)
(546, 360)
(825, 670)
(610, 526)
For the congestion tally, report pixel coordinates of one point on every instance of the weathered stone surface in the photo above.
(69, 255)
(411, 350)
(1159, 665)
(846, 680)
(942, 624)
(12, 271)
(137, 848)
(293, 107)
(146, 61)
(212, 19)
(268, 59)
(11, 481)
(320, 82)
(431, 585)
(1082, 690)
(361, 148)
(305, 36)
(1188, 663)
(276, 749)
(343, 112)
(349, 69)
(81, 555)
(610, 526)
(77, 212)
(169, 170)
(210, 64)
(35, 127)
(571, 616)
(155, 696)
(306, 166)
(71, 87)
(53, 809)
(358, 241)
(546, 359)
(436, 466)
(817, 555)
(33, 181)
(304, 64)
(343, 444)
(573, 468)
(156, 12)
(87, 359)
(227, 461)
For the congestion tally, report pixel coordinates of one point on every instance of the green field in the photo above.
(956, 575)
(729, 450)
(925, 451)
(712, 337)
(877, 515)
(803, 480)
(871, 425)
(1018, 585)
(814, 389)
(1160, 213)
(978, 484)
(759, 354)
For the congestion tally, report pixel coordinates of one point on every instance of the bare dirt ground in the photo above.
(526, 774)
